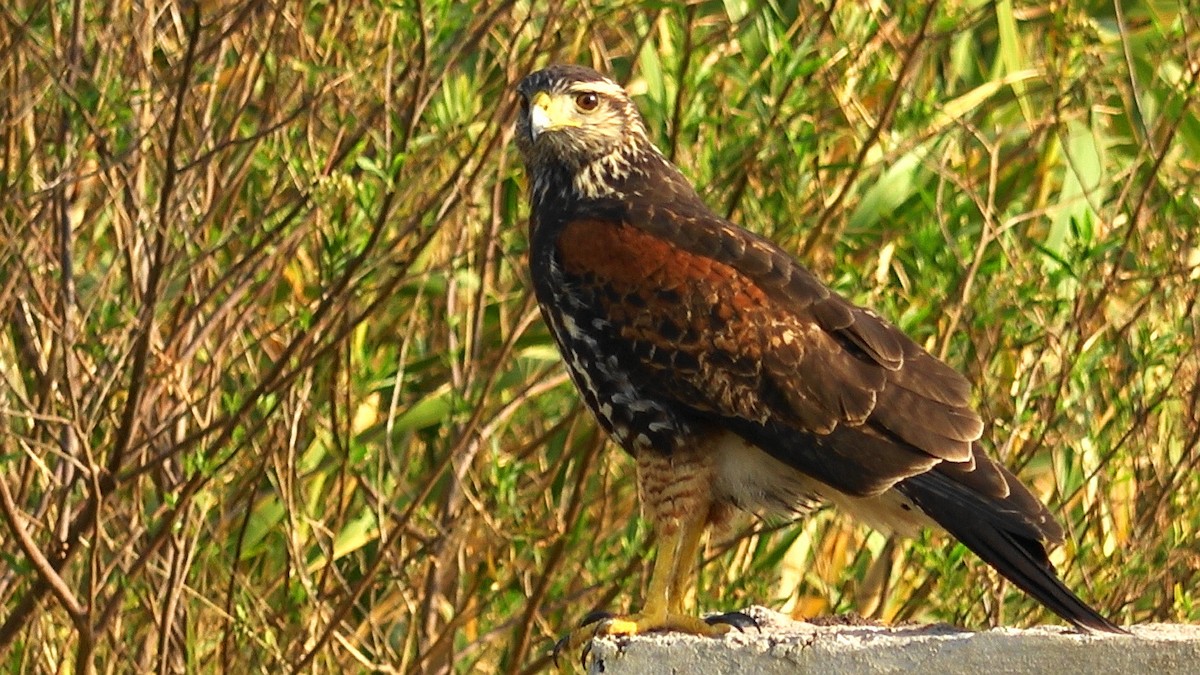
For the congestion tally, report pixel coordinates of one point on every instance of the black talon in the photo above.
(595, 616)
(584, 654)
(558, 647)
(739, 620)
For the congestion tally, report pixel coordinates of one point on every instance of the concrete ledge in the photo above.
(786, 646)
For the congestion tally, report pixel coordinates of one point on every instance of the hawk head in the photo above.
(578, 132)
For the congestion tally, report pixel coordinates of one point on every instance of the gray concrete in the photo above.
(786, 646)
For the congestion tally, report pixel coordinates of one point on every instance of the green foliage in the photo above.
(275, 395)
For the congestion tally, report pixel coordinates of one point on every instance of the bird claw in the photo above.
(576, 638)
(738, 620)
(600, 623)
(595, 616)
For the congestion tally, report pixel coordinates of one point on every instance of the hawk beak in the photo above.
(547, 113)
(539, 114)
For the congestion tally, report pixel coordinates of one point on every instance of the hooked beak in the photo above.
(539, 114)
(548, 113)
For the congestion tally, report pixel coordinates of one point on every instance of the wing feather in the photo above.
(745, 334)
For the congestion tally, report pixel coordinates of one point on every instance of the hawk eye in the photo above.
(587, 101)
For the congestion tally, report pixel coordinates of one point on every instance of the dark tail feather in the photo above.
(1005, 540)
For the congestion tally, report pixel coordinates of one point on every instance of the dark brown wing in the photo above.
(726, 324)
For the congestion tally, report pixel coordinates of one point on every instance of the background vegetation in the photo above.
(274, 395)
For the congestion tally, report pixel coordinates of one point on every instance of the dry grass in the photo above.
(274, 396)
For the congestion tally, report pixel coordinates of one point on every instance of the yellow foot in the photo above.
(638, 624)
(599, 624)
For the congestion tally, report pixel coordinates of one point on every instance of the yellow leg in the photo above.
(676, 492)
(662, 580)
(685, 564)
(669, 582)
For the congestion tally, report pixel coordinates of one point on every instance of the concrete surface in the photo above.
(786, 646)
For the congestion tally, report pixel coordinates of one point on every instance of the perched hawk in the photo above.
(733, 376)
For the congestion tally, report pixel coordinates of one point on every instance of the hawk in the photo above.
(733, 376)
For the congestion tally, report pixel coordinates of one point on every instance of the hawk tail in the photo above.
(1005, 539)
